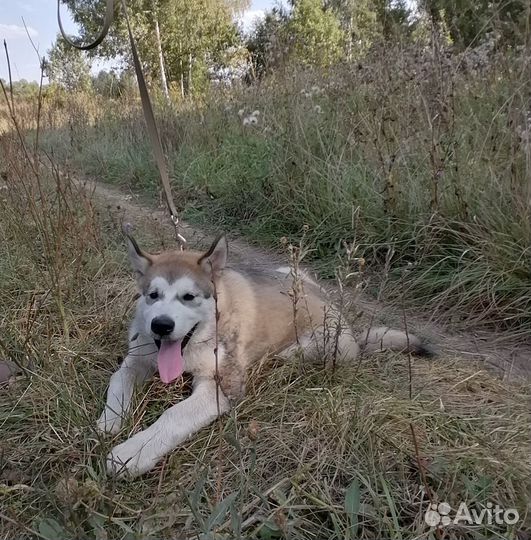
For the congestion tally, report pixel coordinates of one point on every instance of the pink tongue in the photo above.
(170, 361)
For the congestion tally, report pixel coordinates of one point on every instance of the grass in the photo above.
(422, 162)
(309, 453)
(332, 433)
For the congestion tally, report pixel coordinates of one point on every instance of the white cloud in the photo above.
(250, 19)
(14, 31)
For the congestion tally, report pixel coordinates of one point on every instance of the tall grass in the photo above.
(420, 157)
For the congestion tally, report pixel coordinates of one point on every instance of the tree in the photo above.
(106, 84)
(365, 22)
(268, 43)
(68, 67)
(177, 39)
(195, 35)
(160, 55)
(316, 33)
(359, 21)
(395, 19)
(470, 21)
(25, 89)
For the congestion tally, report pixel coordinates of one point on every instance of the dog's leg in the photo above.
(321, 346)
(139, 365)
(383, 338)
(141, 452)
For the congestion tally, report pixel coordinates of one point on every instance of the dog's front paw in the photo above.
(134, 457)
(109, 422)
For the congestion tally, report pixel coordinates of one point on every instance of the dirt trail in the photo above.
(494, 350)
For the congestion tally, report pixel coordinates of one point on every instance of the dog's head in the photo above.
(177, 297)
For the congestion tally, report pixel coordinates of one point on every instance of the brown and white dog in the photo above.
(174, 330)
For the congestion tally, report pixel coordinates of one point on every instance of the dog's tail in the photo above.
(384, 338)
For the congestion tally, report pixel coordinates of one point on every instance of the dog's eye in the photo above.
(154, 295)
(188, 297)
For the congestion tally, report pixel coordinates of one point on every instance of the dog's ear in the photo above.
(139, 259)
(215, 258)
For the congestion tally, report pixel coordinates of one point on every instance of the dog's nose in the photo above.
(162, 326)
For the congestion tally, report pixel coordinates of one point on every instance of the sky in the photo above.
(41, 23)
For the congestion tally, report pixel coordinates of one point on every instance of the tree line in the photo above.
(185, 44)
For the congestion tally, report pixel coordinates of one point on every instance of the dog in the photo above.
(197, 315)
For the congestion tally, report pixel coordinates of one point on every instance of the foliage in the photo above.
(106, 84)
(192, 34)
(470, 22)
(359, 19)
(112, 84)
(185, 45)
(366, 22)
(23, 88)
(68, 67)
(315, 34)
(397, 19)
(268, 44)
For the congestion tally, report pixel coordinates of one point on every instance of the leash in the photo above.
(147, 107)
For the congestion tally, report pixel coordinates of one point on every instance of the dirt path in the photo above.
(496, 351)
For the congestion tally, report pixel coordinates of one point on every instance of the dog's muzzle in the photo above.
(185, 340)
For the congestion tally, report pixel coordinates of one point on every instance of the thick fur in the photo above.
(260, 313)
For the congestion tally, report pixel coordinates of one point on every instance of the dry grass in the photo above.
(309, 454)
(421, 157)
